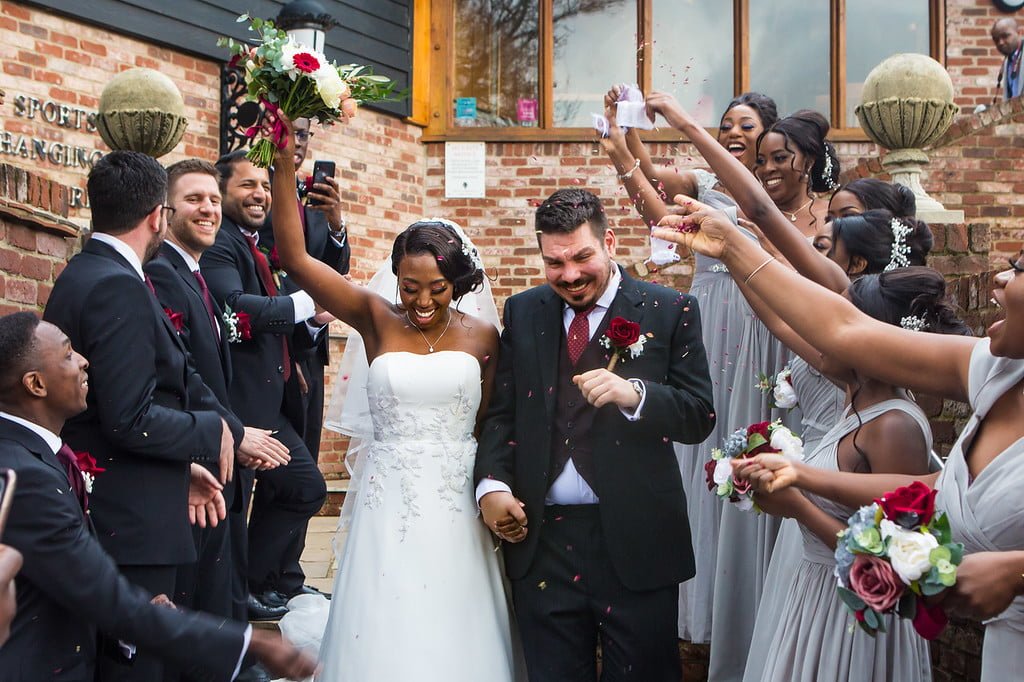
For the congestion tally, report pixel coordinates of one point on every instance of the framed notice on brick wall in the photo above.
(464, 174)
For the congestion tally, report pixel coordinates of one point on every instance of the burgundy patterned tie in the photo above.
(208, 302)
(66, 456)
(579, 334)
(267, 278)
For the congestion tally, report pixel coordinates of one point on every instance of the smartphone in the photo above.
(321, 169)
(7, 479)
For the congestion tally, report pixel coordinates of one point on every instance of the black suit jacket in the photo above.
(257, 386)
(149, 413)
(177, 289)
(636, 475)
(69, 587)
(321, 246)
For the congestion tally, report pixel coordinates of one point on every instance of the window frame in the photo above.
(434, 72)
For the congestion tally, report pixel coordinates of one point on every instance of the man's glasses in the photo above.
(168, 211)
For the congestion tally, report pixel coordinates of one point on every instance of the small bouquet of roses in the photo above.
(742, 444)
(893, 554)
(299, 82)
(781, 388)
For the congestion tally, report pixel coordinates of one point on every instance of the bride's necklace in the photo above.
(792, 216)
(430, 346)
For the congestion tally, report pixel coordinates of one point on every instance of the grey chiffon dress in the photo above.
(815, 638)
(821, 403)
(987, 514)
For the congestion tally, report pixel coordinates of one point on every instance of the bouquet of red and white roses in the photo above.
(300, 82)
(894, 553)
(751, 441)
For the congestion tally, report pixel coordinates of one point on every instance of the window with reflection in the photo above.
(789, 54)
(595, 47)
(496, 63)
(694, 65)
(869, 41)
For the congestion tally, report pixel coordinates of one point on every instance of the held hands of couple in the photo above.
(503, 513)
(601, 387)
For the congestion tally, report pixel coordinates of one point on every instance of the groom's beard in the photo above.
(592, 289)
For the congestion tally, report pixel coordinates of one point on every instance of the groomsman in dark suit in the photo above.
(150, 420)
(69, 586)
(575, 468)
(193, 194)
(241, 280)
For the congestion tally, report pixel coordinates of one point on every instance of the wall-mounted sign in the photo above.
(465, 111)
(526, 110)
(38, 149)
(464, 176)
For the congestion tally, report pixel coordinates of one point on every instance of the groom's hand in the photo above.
(601, 387)
(504, 516)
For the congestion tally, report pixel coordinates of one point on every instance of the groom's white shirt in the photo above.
(570, 487)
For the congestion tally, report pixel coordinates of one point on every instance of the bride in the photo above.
(419, 591)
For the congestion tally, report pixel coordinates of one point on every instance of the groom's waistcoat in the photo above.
(574, 416)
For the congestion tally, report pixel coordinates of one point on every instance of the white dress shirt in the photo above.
(125, 251)
(569, 487)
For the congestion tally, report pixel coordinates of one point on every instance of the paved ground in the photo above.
(318, 559)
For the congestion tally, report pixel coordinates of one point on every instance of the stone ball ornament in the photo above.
(907, 103)
(141, 110)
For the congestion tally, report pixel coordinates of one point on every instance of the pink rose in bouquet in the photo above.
(873, 580)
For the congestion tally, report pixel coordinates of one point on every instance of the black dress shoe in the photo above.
(261, 611)
(256, 673)
(273, 598)
(309, 589)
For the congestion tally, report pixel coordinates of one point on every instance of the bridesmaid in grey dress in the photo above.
(737, 344)
(985, 506)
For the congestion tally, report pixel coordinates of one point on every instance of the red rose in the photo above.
(234, 61)
(910, 505)
(87, 463)
(306, 63)
(177, 319)
(873, 580)
(759, 428)
(709, 474)
(859, 615)
(622, 333)
(244, 326)
(275, 260)
(929, 620)
(740, 486)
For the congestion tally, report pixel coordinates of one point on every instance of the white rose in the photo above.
(288, 52)
(908, 550)
(331, 87)
(746, 503)
(787, 442)
(723, 471)
(785, 396)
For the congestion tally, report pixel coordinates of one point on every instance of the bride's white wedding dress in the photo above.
(419, 593)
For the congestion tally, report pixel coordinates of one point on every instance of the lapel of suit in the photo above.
(181, 267)
(547, 328)
(628, 302)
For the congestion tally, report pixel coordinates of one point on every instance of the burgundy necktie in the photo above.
(208, 302)
(149, 285)
(579, 334)
(66, 456)
(267, 278)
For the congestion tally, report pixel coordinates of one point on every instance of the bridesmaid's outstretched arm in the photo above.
(751, 197)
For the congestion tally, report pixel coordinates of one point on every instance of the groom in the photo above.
(575, 466)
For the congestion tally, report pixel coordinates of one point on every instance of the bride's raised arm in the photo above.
(331, 291)
(751, 197)
(931, 363)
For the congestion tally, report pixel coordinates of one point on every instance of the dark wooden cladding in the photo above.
(377, 33)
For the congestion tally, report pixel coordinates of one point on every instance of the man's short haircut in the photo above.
(17, 342)
(176, 170)
(124, 187)
(226, 166)
(567, 209)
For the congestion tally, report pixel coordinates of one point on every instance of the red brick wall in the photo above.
(971, 58)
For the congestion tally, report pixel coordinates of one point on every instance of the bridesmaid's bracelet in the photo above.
(758, 269)
(628, 174)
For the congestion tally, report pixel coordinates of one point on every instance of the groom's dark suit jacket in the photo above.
(149, 413)
(69, 587)
(635, 472)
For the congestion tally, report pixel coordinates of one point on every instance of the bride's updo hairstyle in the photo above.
(883, 240)
(912, 298)
(457, 260)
